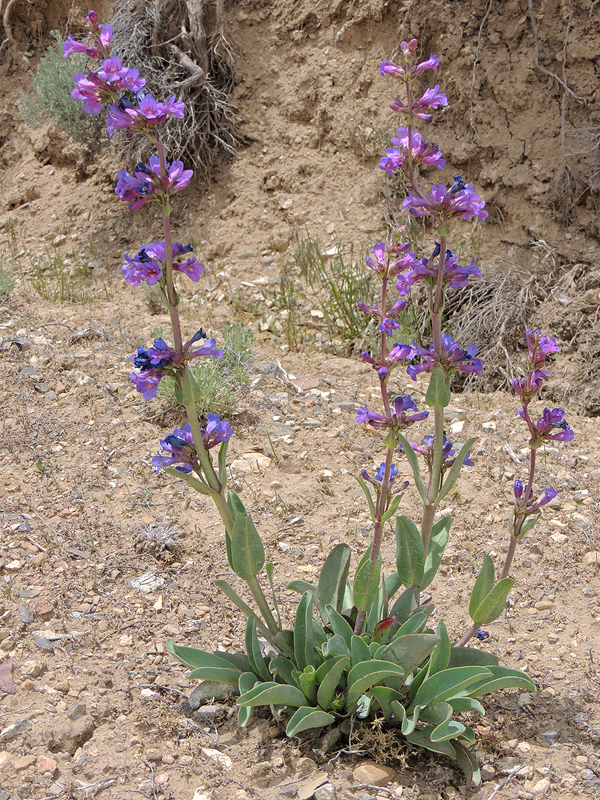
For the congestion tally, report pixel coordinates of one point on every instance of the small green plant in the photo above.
(57, 281)
(219, 380)
(7, 281)
(50, 100)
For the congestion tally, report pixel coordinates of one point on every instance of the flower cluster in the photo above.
(398, 353)
(376, 480)
(525, 506)
(160, 360)
(552, 426)
(420, 150)
(400, 418)
(456, 276)
(180, 444)
(451, 357)
(431, 98)
(111, 83)
(460, 199)
(149, 264)
(427, 450)
(149, 183)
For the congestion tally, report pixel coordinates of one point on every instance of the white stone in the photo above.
(218, 756)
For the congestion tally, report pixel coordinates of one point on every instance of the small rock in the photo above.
(457, 427)
(488, 773)
(210, 713)
(544, 605)
(375, 774)
(489, 426)
(58, 240)
(149, 694)
(579, 521)
(43, 643)
(77, 711)
(14, 730)
(153, 754)
(580, 495)
(19, 764)
(13, 566)
(63, 686)
(305, 766)
(593, 557)
(46, 764)
(559, 538)
(217, 756)
(201, 794)
(31, 669)
(251, 462)
(7, 684)
(146, 583)
(541, 787)
(5, 758)
(162, 779)
(325, 792)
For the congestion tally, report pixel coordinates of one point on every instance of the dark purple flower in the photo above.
(180, 444)
(528, 387)
(388, 325)
(482, 635)
(146, 382)
(92, 90)
(148, 114)
(209, 348)
(452, 357)
(439, 200)
(398, 353)
(387, 68)
(381, 469)
(427, 449)
(456, 276)
(400, 419)
(392, 160)
(518, 490)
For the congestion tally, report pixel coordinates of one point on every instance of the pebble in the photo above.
(14, 730)
(488, 773)
(325, 792)
(541, 787)
(217, 756)
(19, 764)
(162, 779)
(251, 462)
(77, 711)
(593, 557)
(375, 774)
(46, 764)
(579, 521)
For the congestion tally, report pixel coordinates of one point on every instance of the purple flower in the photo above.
(92, 90)
(549, 494)
(380, 471)
(427, 449)
(112, 70)
(148, 114)
(439, 200)
(209, 348)
(456, 276)
(518, 490)
(432, 62)
(215, 431)
(388, 325)
(180, 444)
(379, 261)
(400, 419)
(159, 356)
(551, 426)
(398, 353)
(422, 153)
(146, 382)
(137, 269)
(539, 346)
(392, 160)
(482, 635)
(451, 358)
(528, 387)
(387, 68)
(137, 189)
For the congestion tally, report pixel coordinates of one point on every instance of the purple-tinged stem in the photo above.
(468, 635)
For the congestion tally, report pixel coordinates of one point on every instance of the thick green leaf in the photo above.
(441, 655)
(492, 605)
(190, 479)
(228, 675)
(447, 730)
(368, 495)
(462, 704)
(411, 650)
(282, 667)
(483, 584)
(330, 681)
(378, 610)
(284, 641)
(406, 604)
(414, 624)
(339, 625)
(301, 587)
(437, 544)
(454, 472)
(307, 681)
(466, 761)
(447, 684)
(438, 393)
(381, 633)
(392, 583)
(412, 459)
(235, 505)
(190, 388)
(501, 678)
(363, 676)
(384, 696)
(238, 660)
(359, 650)
(195, 658)
(421, 738)
(306, 718)
(366, 581)
(436, 714)
(393, 507)
(223, 462)
(336, 646)
(528, 525)
(407, 724)
(255, 655)
(304, 637)
(246, 683)
(471, 657)
(247, 551)
(319, 632)
(332, 581)
(271, 693)
(410, 556)
(227, 589)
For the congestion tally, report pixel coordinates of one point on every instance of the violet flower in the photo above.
(431, 98)
(465, 202)
(398, 353)
(524, 508)
(427, 450)
(529, 386)
(552, 426)
(400, 419)
(452, 357)
(139, 188)
(539, 346)
(180, 444)
(142, 118)
(456, 276)
(422, 153)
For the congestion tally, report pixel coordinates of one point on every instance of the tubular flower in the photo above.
(525, 506)
(552, 425)
(440, 200)
(421, 151)
(398, 353)
(451, 358)
(147, 183)
(161, 360)
(148, 265)
(431, 98)
(98, 45)
(390, 258)
(539, 346)
(427, 448)
(528, 387)
(377, 479)
(400, 418)
(180, 444)
(146, 115)
(456, 276)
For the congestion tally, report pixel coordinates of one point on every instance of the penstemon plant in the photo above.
(361, 646)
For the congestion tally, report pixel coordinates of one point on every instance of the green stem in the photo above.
(261, 602)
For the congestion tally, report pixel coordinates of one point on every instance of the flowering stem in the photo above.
(261, 602)
(518, 522)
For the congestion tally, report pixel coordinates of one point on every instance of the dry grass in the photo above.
(181, 47)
